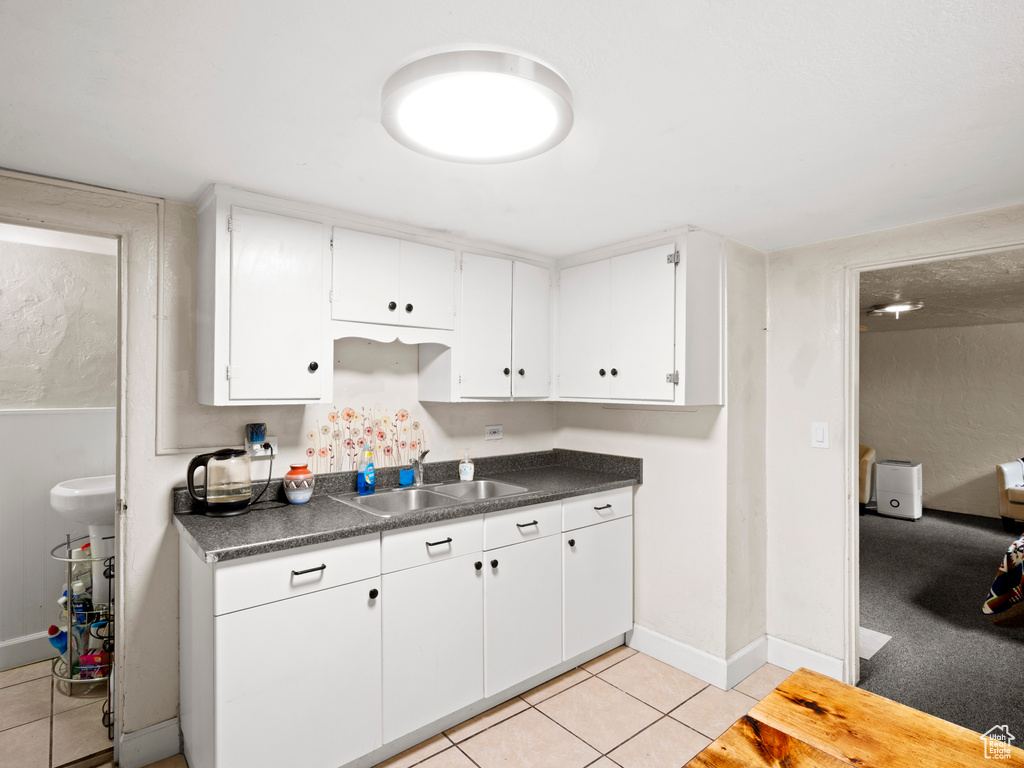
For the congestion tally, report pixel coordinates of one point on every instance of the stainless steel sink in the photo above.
(480, 489)
(390, 503)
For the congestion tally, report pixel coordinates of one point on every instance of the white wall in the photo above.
(951, 399)
(809, 552)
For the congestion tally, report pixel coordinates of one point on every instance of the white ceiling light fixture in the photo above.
(895, 308)
(477, 107)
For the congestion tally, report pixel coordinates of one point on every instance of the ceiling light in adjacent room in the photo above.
(895, 308)
(477, 107)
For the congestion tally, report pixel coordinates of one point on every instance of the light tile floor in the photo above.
(622, 710)
(40, 727)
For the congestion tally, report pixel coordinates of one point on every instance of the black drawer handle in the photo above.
(572, 542)
(320, 567)
(606, 506)
(373, 594)
(526, 525)
(439, 543)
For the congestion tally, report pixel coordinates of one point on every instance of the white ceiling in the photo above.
(775, 123)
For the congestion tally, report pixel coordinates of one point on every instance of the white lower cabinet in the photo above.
(522, 612)
(433, 654)
(597, 584)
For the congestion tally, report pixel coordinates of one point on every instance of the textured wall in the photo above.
(949, 398)
(59, 334)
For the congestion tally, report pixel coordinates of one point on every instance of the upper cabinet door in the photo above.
(428, 286)
(365, 284)
(276, 316)
(531, 331)
(584, 322)
(642, 335)
(486, 326)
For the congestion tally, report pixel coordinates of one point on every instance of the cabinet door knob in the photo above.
(572, 542)
(522, 371)
(601, 372)
(313, 366)
(506, 371)
(615, 371)
(478, 565)
(373, 594)
(408, 307)
(392, 306)
(494, 563)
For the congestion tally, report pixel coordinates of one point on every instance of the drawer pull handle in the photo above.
(526, 525)
(373, 594)
(439, 543)
(606, 506)
(320, 567)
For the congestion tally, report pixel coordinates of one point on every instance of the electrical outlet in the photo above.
(494, 432)
(257, 451)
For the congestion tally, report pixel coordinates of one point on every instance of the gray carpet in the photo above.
(923, 583)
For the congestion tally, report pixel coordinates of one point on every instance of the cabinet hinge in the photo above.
(231, 224)
(672, 258)
(672, 378)
(227, 372)
(460, 378)
(330, 296)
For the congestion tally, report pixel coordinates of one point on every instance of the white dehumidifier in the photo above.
(898, 485)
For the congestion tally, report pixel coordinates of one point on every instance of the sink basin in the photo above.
(391, 503)
(480, 489)
(85, 500)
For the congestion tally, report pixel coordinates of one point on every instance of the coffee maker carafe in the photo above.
(228, 486)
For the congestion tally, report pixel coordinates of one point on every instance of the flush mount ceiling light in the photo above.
(895, 308)
(477, 107)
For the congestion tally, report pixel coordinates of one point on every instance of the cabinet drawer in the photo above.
(250, 581)
(512, 526)
(430, 542)
(596, 508)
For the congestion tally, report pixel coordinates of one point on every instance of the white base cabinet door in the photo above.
(597, 584)
(433, 651)
(298, 680)
(522, 612)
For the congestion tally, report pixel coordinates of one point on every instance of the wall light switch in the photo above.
(819, 434)
(493, 432)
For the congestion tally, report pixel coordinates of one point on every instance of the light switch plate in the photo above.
(493, 432)
(819, 434)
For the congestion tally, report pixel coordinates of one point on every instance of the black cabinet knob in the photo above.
(522, 371)
(506, 371)
(392, 306)
(494, 563)
(615, 371)
(601, 372)
(408, 307)
(478, 565)
(313, 366)
(572, 542)
(373, 594)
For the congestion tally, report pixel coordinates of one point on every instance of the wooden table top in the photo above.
(813, 720)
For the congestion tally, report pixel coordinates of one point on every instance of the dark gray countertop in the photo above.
(276, 525)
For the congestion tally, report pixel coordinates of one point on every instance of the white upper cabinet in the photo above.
(531, 330)
(262, 304)
(387, 281)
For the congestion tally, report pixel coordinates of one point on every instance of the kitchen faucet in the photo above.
(417, 468)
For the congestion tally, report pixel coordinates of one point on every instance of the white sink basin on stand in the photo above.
(89, 501)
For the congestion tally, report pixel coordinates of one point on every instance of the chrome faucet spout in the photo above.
(417, 468)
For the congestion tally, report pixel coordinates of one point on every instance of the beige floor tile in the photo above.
(178, 761)
(79, 733)
(26, 746)
(604, 762)
(559, 684)
(666, 744)
(450, 758)
(485, 720)
(653, 682)
(713, 710)
(599, 713)
(83, 694)
(765, 680)
(614, 656)
(417, 754)
(528, 740)
(24, 702)
(24, 674)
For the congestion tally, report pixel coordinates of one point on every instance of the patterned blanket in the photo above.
(1005, 604)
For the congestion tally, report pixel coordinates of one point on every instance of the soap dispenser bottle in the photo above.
(466, 468)
(366, 478)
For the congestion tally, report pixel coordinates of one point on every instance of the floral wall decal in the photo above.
(395, 439)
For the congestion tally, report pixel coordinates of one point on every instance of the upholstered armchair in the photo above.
(1010, 484)
(867, 474)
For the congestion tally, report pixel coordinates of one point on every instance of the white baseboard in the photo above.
(791, 656)
(722, 673)
(148, 745)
